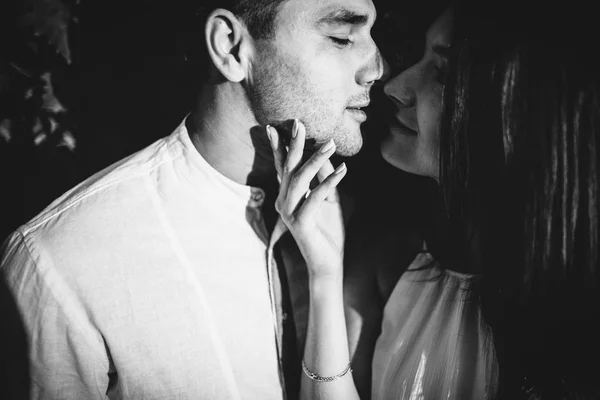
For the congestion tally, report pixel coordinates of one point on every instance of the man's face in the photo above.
(318, 68)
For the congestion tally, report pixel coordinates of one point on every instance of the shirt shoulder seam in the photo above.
(26, 229)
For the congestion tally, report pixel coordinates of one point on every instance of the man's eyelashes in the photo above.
(340, 41)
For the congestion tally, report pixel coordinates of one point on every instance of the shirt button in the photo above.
(258, 196)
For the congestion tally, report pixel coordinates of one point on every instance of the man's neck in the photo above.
(226, 134)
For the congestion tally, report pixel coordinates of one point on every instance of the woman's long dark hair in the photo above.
(519, 171)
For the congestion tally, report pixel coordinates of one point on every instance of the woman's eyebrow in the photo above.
(441, 50)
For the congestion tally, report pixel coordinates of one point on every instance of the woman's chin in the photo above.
(394, 153)
(403, 157)
(389, 156)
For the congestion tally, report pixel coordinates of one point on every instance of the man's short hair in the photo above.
(258, 16)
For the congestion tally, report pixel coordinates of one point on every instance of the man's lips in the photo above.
(364, 104)
(358, 106)
(357, 112)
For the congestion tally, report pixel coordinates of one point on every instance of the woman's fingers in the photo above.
(324, 172)
(325, 189)
(295, 178)
(300, 181)
(287, 163)
(294, 154)
(279, 151)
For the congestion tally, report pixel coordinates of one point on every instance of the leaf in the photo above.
(49, 101)
(6, 131)
(50, 19)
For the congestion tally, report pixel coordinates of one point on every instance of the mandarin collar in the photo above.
(201, 174)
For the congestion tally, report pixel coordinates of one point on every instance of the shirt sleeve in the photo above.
(50, 351)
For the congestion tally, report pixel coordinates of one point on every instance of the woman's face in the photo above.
(413, 140)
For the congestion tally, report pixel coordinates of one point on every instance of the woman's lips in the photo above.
(398, 128)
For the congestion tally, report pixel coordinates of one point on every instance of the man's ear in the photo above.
(228, 43)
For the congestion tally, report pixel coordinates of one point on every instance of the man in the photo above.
(161, 276)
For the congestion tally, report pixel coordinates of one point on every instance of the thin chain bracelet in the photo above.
(319, 378)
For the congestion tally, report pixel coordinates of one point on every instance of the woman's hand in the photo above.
(319, 235)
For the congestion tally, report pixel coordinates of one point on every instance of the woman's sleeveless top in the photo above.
(434, 344)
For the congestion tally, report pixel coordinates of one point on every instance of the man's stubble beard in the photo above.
(280, 91)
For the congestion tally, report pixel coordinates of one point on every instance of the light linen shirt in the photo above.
(153, 279)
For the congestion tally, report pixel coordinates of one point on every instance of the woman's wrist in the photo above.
(325, 275)
(325, 284)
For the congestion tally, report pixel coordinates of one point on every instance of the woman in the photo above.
(492, 146)
(431, 325)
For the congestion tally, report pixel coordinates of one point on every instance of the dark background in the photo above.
(127, 86)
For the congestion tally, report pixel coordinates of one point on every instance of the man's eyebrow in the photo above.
(343, 16)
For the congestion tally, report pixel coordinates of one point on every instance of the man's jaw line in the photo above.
(235, 147)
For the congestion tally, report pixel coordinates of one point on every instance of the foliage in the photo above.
(37, 143)
(36, 44)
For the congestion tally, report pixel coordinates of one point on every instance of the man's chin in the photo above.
(348, 139)
(347, 149)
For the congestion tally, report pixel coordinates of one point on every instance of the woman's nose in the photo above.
(401, 89)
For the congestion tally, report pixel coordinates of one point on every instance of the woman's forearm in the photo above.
(326, 353)
(320, 239)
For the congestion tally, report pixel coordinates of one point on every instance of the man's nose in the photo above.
(374, 68)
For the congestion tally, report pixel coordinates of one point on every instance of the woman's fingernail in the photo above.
(295, 129)
(341, 168)
(268, 128)
(327, 146)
